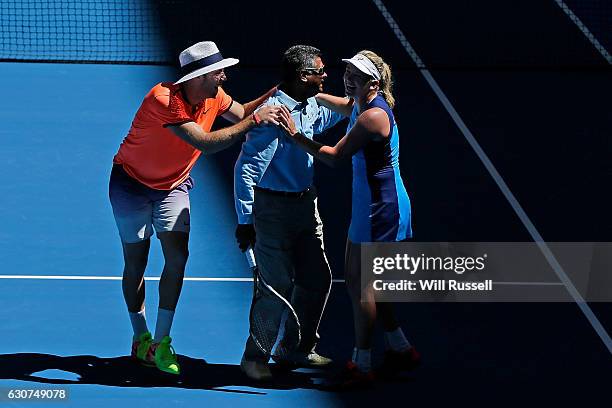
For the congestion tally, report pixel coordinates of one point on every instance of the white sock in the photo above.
(164, 323)
(363, 359)
(139, 323)
(396, 340)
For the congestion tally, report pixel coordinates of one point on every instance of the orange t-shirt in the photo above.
(151, 153)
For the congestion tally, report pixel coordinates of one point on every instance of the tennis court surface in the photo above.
(506, 124)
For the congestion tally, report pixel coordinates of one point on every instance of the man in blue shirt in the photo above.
(277, 203)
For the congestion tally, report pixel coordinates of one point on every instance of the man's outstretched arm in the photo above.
(213, 142)
(238, 111)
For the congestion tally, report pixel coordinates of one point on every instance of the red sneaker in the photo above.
(398, 361)
(350, 378)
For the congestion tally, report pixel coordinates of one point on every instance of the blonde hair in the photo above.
(386, 80)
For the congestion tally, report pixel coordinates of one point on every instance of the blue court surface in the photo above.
(497, 153)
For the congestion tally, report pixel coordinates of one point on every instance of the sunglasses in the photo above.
(314, 71)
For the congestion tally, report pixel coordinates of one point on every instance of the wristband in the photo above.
(256, 118)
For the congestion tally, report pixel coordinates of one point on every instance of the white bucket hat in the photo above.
(363, 63)
(200, 59)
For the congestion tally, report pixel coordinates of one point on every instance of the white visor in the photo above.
(363, 64)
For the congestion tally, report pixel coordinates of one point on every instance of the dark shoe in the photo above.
(398, 361)
(301, 359)
(256, 370)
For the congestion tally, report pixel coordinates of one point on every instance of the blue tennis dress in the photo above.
(381, 206)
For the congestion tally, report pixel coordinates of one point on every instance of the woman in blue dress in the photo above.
(380, 203)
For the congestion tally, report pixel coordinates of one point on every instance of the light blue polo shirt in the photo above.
(269, 159)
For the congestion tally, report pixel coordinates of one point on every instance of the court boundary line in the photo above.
(212, 279)
(501, 184)
(118, 278)
(585, 30)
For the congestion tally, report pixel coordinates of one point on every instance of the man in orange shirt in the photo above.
(150, 182)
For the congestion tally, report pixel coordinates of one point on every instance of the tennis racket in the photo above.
(271, 338)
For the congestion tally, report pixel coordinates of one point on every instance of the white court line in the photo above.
(156, 278)
(598, 46)
(537, 238)
(118, 278)
(115, 278)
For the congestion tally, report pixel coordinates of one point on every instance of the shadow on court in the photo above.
(123, 372)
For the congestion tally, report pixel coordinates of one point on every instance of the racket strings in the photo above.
(267, 302)
(264, 332)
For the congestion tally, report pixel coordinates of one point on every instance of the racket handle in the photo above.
(250, 256)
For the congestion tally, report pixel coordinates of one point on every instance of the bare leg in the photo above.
(364, 305)
(135, 258)
(175, 249)
(386, 315)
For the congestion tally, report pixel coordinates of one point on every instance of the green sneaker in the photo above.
(140, 348)
(165, 356)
